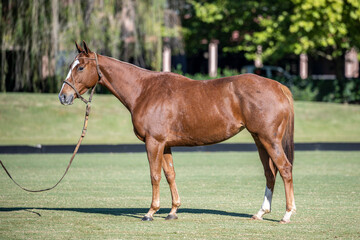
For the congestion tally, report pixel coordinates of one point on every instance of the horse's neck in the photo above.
(123, 80)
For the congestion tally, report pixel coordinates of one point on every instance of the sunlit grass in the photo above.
(104, 196)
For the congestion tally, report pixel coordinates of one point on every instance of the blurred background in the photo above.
(310, 45)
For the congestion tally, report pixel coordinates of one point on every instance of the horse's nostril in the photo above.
(62, 98)
(66, 99)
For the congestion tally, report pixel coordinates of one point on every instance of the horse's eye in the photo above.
(81, 68)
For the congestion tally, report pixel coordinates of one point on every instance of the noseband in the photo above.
(78, 95)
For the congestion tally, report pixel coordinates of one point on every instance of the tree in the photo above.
(327, 28)
(218, 19)
(37, 37)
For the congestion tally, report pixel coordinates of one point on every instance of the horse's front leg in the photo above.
(168, 167)
(155, 155)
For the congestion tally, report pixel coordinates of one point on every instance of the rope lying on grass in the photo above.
(83, 132)
(88, 107)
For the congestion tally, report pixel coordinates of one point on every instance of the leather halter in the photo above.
(78, 95)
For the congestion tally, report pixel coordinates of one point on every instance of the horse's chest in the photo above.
(149, 123)
(139, 129)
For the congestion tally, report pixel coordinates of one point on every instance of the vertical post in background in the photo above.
(303, 66)
(213, 58)
(166, 59)
(351, 64)
(258, 60)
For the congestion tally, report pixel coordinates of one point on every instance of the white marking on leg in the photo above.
(266, 206)
(288, 214)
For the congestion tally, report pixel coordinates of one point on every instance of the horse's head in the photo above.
(83, 75)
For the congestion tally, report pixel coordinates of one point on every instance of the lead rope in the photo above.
(83, 133)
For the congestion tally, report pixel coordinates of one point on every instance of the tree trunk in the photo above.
(54, 44)
(88, 10)
(3, 68)
(128, 29)
(34, 50)
(27, 68)
(18, 70)
(340, 76)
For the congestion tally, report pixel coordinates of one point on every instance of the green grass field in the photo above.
(104, 196)
(40, 119)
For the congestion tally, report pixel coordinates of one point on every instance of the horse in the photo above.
(168, 110)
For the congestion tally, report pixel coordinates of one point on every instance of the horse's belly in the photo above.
(206, 122)
(203, 134)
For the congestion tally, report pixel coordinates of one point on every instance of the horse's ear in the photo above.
(79, 48)
(87, 50)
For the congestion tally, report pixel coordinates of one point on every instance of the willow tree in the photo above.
(37, 37)
(26, 45)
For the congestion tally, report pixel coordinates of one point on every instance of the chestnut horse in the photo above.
(169, 110)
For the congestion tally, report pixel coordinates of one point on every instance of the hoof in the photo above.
(146, 218)
(255, 217)
(171, 217)
(284, 221)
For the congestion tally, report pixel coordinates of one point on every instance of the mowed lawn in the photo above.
(31, 119)
(104, 196)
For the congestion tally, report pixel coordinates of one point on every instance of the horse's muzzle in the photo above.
(66, 99)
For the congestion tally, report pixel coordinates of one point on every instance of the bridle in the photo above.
(87, 113)
(78, 95)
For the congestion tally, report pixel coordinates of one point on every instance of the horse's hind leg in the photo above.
(168, 167)
(270, 173)
(277, 154)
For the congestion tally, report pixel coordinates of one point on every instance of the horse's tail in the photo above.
(288, 139)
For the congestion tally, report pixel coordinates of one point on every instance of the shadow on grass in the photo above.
(130, 212)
